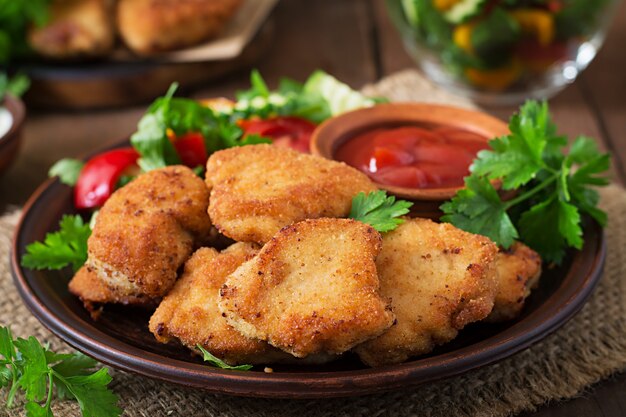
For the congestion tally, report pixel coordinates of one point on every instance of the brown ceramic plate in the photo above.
(120, 338)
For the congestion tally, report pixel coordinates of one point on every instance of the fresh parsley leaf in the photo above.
(380, 211)
(518, 157)
(61, 248)
(217, 362)
(28, 365)
(92, 394)
(552, 187)
(478, 209)
(35, 368)
(68, 170)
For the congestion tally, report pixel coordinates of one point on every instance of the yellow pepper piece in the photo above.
(496, 79)
(444, 5)
(462, 37)
(537, 23)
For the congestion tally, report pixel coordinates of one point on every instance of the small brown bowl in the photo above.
(10, 142)
(330, 135)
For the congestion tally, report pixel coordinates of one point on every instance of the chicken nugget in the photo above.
(151, 26)
(147, 230)
(189, 311)
(312, 289)
(518, 272)
(77, 28)
(257, 190)
(93, 293)
(439, 279)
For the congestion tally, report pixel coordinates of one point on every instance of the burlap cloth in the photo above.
(590, 347)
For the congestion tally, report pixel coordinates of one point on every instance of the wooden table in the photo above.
(353, 40)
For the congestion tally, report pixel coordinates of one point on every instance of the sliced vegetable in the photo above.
(339, 96)
(496, 79)
(494, 37)
(537, 23)
(100, 175)
(464, 10)
(191, 149)
(290, 132)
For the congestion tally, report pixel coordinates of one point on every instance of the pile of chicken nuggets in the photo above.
(300, 283)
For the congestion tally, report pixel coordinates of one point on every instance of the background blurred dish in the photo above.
(126, 79)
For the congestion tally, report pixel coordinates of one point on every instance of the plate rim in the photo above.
(307, 385)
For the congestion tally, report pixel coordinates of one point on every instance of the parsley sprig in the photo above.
(218, 363)
(380, 211)
(553, 188)
(66, 246)
(28, 366)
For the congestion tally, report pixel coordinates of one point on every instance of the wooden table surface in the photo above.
(353, 40)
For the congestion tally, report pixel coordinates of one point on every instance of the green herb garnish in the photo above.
(16, 86)
(553, 188)
(68, 170)
(66, 246)
(28, 366)
(217, 362)
(380, 211)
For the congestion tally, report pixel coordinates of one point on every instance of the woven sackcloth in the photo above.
(590, 347)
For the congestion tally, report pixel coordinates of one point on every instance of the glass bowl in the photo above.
(501, 52)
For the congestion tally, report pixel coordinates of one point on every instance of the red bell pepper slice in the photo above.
(191, 149)
(289, 132)
(99, 176)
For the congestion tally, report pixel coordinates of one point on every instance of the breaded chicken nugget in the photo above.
(189, 311)
(149, 26)
(439, 279)
(147, 230)
(93, 293)
(518, 272)
(257, 190)
(77, 28)
(312, 289)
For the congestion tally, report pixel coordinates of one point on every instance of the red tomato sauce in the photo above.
(413, 157)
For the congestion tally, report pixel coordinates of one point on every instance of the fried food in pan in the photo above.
(147, 230)
(518, 272)
(151, 26)
(312, 289)
(257, 190)
(76, 29)
(439, 279)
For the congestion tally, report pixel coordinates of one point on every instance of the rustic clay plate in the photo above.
(120, 338)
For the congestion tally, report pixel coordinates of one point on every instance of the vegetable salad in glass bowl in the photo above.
(502, 51)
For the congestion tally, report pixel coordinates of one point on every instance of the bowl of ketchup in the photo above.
(417, 152)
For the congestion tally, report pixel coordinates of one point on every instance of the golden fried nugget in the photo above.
(147, 230)
(150, 26)
(439, 279)
(312, 289)
(93, 293)
(257, 190)
(189, 311)
(518, 272)
(77, 28)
